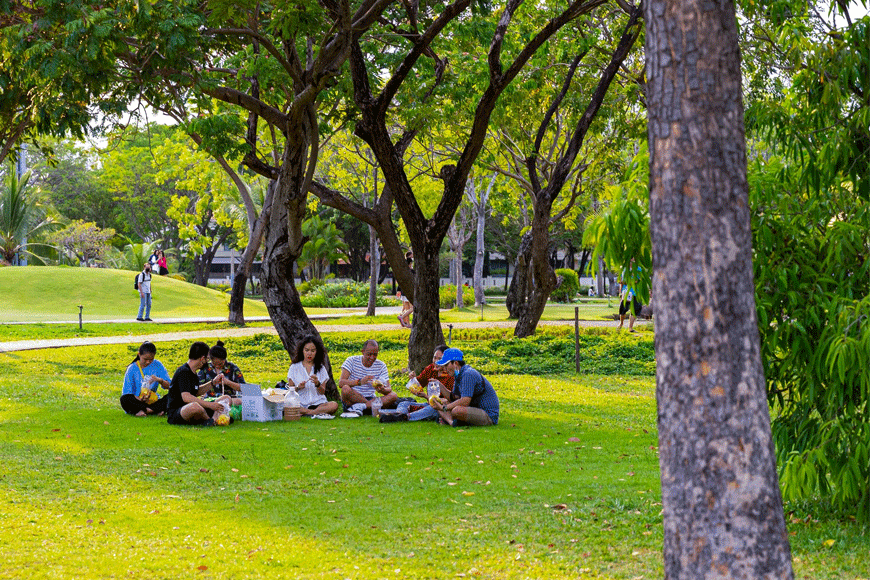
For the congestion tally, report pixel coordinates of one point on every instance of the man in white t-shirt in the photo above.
(364, 377)
(144, 280)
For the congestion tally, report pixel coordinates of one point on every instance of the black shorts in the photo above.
(625, 309)
(173, 417)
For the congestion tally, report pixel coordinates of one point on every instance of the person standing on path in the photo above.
(144, 285)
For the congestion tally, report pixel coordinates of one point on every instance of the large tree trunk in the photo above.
(723, 515)
(521, 281)
(541, 272)
(426, 332)
(283, 241)
(237, 296)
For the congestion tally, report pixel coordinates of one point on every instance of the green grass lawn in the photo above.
(35, 294)
(566, 486)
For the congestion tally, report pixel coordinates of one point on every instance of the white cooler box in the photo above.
(256, 407)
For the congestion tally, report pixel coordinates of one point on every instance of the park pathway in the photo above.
(156, 336)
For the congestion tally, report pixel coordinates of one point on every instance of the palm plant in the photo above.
(133, 256)
(22, 218)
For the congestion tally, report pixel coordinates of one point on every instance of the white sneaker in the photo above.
(361, 407)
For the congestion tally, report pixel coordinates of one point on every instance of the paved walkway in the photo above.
(157, 336)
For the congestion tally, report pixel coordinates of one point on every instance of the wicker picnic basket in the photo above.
(292, 413)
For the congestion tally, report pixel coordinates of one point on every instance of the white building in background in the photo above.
(227, 259)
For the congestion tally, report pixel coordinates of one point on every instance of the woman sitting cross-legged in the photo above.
(145, 371)
(308, 376)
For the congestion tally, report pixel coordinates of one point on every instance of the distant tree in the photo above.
(324, 246)
(83, 241)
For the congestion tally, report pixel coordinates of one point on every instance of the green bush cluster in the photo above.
(495, 351)
(342, 295)
(568, 289)
(447, 296)
(495, 291)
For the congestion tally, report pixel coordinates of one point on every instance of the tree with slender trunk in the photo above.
(723, 515)
(478, 197)
(458, 235)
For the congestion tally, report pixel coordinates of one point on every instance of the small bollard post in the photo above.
(577, 338)
(449, 333)
(80, 316)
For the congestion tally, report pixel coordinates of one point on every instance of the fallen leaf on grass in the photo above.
(202, 568)
(55, 430)
(829, 543)
(560, 506)
(467, 493)
(574, 439)
(204, 470)
(237, 498)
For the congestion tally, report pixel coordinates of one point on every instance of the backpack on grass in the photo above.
(136, 282)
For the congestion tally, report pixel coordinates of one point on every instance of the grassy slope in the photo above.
(54, 293)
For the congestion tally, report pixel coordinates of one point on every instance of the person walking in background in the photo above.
(153, 258)
(143, 284)
(628, 305)
(162, 265)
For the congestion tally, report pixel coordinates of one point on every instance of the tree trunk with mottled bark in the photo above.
(283, 241)
(723, 515)
(375, 264)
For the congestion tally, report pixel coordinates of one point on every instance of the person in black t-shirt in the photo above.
(184, 405)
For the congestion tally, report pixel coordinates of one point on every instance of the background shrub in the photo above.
(447, 296)
(343, 295)
(567, 290)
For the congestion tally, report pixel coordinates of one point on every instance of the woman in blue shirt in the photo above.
(144, 369)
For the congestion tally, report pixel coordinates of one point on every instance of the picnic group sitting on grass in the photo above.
(205, 390)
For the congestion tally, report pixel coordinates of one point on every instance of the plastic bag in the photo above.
(414, 386)
(291, 399)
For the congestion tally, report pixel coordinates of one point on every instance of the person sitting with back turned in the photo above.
(364, 377)
(475, 401)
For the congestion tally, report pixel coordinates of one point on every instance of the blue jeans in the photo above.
(427, 413)
(145, 305)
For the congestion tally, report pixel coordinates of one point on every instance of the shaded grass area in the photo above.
(566, 486)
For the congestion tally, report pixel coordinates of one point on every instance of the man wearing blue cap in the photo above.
(475, 401)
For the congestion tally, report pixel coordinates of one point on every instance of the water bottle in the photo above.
(433, 388)
(376, 406)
